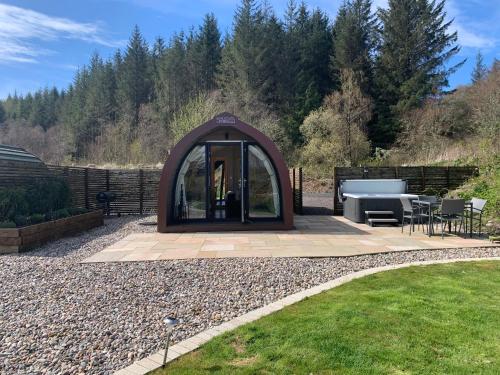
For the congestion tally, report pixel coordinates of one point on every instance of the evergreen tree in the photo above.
(210, 50)
(353, 40)
(480, 71)
(158, 53)
(173, 84)
(38, 113)
(415, 45)
(314, 41)
(238, 73)
(3, 115)
(134, 81)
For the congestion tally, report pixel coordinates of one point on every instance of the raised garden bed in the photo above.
(14, 240)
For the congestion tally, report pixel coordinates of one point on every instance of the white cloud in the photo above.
(469, 34)
(20, 28)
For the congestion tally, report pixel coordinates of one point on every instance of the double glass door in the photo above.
(227, 181)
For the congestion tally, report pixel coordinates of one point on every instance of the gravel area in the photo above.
(58, 316)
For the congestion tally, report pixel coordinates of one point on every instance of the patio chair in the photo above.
(451, 211)
(424, 209)
(410, 213)
(477, 208)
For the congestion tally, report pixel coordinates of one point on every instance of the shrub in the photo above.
(37, 218)
(21, 220)
(7, 224)
(77, 211)
(41, 196)
(57, 214)
(46, 195)
(62, 213)
(12, 202)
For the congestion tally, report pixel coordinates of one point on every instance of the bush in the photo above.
(7, 224)
(21, 220)
(37, 218)
(77, 211)
(41, 196)
(48, 195)
(57, 214)
(12, 202)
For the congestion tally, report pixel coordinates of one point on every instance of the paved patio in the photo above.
(315, 236)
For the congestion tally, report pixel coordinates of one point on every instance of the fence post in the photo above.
(86, 187)
(107, 179)
(334, 189)
(141, 191)
(422, 168)
(448, 178)
(300, 191)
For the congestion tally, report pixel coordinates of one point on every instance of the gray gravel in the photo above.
(58, 316)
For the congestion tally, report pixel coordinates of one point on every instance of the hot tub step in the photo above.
(369, 213)
(373, 221)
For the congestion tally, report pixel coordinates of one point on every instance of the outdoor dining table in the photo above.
(432, 207)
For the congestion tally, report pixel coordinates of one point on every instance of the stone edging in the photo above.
(155, 361)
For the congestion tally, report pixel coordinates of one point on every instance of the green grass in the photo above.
(441, 319)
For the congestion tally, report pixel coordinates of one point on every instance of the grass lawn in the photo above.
(440, 319)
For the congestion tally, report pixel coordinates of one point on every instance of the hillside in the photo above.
(339, 86)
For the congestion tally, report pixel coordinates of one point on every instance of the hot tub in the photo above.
(359, 196)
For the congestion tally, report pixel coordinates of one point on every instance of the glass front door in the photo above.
(224, 187)
(227, 181)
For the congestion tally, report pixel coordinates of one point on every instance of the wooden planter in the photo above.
(21, 239)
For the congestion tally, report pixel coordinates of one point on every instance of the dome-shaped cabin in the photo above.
(225, 175)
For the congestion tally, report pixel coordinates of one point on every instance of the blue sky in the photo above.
(42, 43)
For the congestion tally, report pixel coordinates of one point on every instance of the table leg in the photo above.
(471, 220)
(431, 227)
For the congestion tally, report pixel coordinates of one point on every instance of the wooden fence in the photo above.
(421, 180)
(137, 189)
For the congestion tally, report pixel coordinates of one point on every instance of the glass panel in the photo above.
(263, 191)
(190, 189)
(225, 194)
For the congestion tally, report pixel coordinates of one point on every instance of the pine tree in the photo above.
(313, 72)
(480, 71)
(3, 115)
(209, 48)
(134, 80)
(353, 40)
(239, 67)
(415, 45)
(173, 86)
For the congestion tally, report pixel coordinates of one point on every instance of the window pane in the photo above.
(190, 190)
(263, 191)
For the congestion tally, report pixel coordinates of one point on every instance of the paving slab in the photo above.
(313, 236)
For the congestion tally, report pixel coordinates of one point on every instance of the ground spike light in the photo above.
(169, 322)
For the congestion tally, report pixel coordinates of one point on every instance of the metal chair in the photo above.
(424, 209)
(451, 211)
(410, 213)
(477, 208)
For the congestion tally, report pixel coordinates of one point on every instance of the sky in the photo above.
(44, 42)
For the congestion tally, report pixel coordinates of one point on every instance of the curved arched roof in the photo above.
(12, 153)
(223, 121)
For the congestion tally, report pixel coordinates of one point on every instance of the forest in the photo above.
(367, 87)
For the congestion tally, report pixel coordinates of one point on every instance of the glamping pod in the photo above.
(225, 175)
